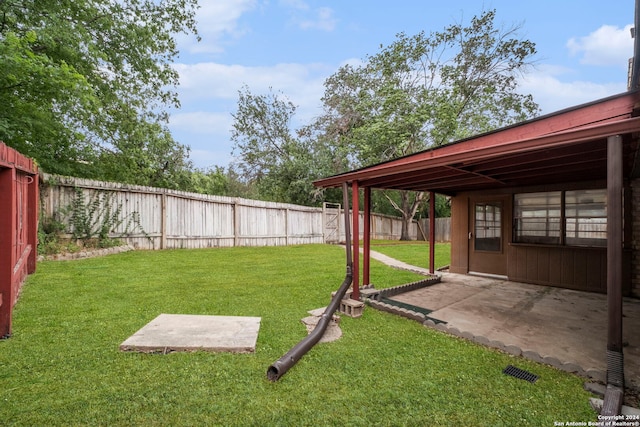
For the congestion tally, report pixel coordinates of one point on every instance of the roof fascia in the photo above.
(606, 110)
(477, 149)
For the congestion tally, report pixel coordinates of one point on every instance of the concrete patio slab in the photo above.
(557, 326)
(183, 332)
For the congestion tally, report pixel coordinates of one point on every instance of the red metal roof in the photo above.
(567, 146)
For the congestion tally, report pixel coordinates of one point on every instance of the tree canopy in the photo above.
(427, 90)
(86, 85)
(420, 91)
(279, 161)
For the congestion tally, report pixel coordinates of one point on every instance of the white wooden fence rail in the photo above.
(175, 219)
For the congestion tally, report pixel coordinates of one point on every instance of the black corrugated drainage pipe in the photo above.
(282, 365)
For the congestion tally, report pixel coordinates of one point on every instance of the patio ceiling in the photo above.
(569, 146)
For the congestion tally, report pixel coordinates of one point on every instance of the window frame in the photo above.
(565, 216)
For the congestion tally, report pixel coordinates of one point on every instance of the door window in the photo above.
(488, 227)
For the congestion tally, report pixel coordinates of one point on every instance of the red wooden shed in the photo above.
(18, 228)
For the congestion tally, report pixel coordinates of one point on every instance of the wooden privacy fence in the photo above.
(18, 228)
(383, 227)
(157, 218)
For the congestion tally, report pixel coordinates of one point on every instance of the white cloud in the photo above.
(322, 19)
(608, 45)
(553, 94)
(205, 159)
(211, 91)
(216, 19)
(354, 62)
(210, 81)
(295, 4)
(202, 122)
(208, 135)
(306, 18)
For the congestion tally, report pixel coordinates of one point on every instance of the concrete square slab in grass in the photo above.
(184, 332)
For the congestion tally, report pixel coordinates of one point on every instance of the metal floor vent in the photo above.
(520, 373)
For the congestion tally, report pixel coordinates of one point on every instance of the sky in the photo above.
(292, 46)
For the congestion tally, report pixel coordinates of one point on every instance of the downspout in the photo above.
(282, 365)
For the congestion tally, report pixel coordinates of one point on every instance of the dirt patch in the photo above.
(86, 253)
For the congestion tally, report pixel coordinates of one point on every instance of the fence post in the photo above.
(286, 227)
(236, 222)
(163, 221)
(340, 222)
(324, 223)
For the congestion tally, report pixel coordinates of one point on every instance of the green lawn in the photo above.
(414, 252)
(63, 367)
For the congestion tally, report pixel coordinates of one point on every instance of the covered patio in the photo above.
(553, 201)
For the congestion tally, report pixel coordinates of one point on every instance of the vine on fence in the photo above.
(91, 223)
(99, 218)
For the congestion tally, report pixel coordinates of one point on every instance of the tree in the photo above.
(86, 84)
(210, 181)
(280, 164)
(427, 90)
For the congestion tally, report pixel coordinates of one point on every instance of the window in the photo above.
(576, 218)
(488, 227)
(538, 217)
(586, 217)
